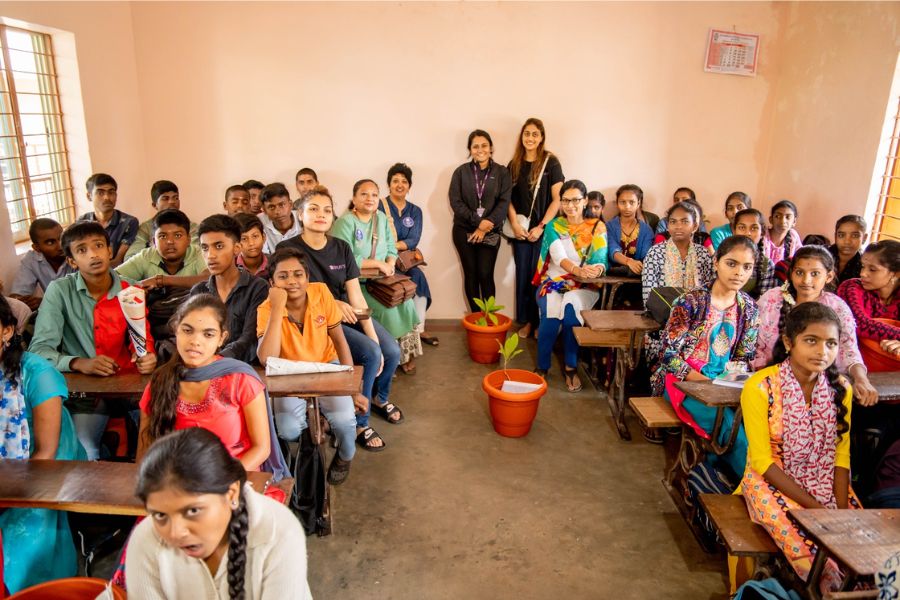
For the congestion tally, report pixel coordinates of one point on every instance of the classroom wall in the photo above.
(209, 94)
(259, 90)
(833, 93)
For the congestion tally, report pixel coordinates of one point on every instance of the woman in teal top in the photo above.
(369, 234)
(734, 203)
(37, 543)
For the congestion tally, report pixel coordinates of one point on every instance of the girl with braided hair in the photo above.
(797, 418)
(811, 270)
(209, 535)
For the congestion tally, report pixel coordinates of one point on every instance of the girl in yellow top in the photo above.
(797, 418)
(301, 321)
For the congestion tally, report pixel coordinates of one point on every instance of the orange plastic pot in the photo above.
(484, 340)
(72, 588)
(513, 414)
(876, 359)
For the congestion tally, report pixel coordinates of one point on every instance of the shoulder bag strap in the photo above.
(537, 186)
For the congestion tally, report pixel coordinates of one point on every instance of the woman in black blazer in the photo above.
(480, 191)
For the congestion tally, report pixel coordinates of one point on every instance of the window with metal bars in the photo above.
(886, 224)
(34, 163)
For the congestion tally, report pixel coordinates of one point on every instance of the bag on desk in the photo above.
(660, 300)
(391, 291)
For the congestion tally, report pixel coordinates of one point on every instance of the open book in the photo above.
(735, 379)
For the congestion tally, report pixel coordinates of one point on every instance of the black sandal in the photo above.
(542, 373)
(365, 436)
(570, 375)
(386, 410)
(338, 470)
(430, 340)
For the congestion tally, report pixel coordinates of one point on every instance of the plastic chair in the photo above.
(72, 588)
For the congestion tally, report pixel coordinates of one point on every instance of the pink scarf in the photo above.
(810, 435)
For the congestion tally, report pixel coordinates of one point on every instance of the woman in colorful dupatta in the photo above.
(572, 247)
(708, 328)
(34, 424)
(797, 417)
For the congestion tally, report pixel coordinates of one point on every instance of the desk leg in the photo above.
(815, 574)
(319, 437)
(714, 445)
(610, 296)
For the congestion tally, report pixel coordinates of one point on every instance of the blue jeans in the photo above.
(548, 331)
(367, 353)
(290, 420)
(705, 416)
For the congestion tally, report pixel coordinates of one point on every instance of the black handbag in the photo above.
(660, 300)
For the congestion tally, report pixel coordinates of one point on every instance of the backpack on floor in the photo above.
(706, 479)
(309, 498)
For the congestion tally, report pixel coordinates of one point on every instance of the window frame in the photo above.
(64, 212)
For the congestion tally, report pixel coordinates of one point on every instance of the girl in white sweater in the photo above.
(208, 535)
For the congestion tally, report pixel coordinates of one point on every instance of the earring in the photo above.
(234, 504)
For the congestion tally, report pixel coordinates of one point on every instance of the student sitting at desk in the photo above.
(301, 321)
(42, 264)
(811, 269)
(679, 261)
(797, 417)
(629, 238)
(199, 388)
(210, 535)
(81, 326)
(572, 247)
(708, 328)
(734, 203)
(751, 223)
(121, 228)
(220, 243)
(163, 196)
(37, 543)
(253, 242)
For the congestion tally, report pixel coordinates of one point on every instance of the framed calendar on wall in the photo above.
(732, 53)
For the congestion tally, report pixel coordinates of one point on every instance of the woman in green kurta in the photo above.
(369, 233)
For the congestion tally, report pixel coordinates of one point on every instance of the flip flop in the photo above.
(430, 340)
(570, 380)
(367, 434)
(386, 410)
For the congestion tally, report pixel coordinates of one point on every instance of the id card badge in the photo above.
(479, 211)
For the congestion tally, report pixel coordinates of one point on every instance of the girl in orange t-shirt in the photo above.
(301, 321)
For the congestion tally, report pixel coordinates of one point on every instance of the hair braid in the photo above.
(237, 550)
(788, 301)
(840, 390)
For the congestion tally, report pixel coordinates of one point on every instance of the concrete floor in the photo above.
(452, 510)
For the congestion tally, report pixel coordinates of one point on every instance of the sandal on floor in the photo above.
(542, 373)
(429, 339)
(571, 375)
(407, 370)
(338, 470)
(365, 436)
(386, 410)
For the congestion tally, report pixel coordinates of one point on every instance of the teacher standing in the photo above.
(479, 196)
(536, 177)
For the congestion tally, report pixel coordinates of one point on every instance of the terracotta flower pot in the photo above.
(876, 359)
(484, 340)
(512, 414)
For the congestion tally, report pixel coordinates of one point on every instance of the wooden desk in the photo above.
(859, 540)
(609, 285)
(87, 487)
(888, 386)
(627, 329)
(343, 383)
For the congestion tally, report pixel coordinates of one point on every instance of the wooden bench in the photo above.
(860, 595)
(742, 537)
(591, 338)
(655, 412)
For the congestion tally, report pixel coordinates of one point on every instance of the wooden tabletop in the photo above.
(888, 386)
(859, 539)
(342, 383)
(606, 320)
(80, 486)
(710, 394)
(609, 280)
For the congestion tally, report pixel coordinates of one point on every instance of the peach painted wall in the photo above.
(209, 94)
(837, 68)
(233, 91)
